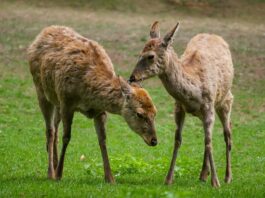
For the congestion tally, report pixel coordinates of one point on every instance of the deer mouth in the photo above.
(152, 142)
(133, 79)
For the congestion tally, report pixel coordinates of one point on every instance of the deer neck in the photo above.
(178, 83)
(113, 98)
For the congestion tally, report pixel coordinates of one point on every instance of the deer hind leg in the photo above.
(48, 112)
(99, 122)
(67, 115)
(57, 119)
(179, 119)
(205, 167)
(224, 115)
(205, 172)
(208, 122)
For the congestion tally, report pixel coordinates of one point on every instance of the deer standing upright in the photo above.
(200, 82)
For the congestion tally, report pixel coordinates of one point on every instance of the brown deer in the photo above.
(72, 73)
(200, 82)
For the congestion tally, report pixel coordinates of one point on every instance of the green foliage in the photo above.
(128, 164)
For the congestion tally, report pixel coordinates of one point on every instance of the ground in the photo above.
(139, 170)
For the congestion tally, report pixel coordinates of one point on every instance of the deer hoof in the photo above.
(215, 183)
(228, 180)
(58, 177)
(110, 180)
(169, 181)
(204, 175)
(51, 175)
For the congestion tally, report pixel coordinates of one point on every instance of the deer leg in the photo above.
(67, 118)
(48, 110)
(99, 122)
(205, 167)
(224, 115)
(208, 122)
(227, 136)
(179, 119)
(57, 119)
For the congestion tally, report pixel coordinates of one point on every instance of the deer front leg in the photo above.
(224, 115)
(99, 122)
(228, 141)
(67, 118)
(208, 122)
(48, 110)
(179, 119)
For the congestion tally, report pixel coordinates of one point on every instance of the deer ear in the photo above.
(155, 32)
(126, 89)
(169, 38)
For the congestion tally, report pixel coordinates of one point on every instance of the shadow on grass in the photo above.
(131, 180)
(182, 182)
(27, 179)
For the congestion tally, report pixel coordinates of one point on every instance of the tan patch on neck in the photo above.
(145, 100)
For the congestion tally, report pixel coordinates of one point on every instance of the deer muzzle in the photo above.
(153, 142)
(132, 79)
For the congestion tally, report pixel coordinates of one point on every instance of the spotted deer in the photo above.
(74, 74)
(200, 82)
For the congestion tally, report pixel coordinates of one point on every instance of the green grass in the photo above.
(139, 170)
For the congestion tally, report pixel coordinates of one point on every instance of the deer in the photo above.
(74, 74)
(200, 82)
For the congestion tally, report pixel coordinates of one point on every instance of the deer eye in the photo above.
(150, 57)
(140, 115)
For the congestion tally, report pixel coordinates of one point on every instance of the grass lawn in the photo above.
(139, 169)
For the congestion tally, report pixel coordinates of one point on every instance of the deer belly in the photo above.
(192, 108)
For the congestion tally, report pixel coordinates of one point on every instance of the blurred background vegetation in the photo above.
(214, 8)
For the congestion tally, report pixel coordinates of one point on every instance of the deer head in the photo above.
(139, 112)
(154, 56)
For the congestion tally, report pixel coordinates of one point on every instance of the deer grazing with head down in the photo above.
(200, 82)
(72, 73)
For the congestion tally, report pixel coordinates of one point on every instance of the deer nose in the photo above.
(132, 78)
(153, 142)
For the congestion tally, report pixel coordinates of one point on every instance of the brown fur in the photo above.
(151, 45)
(200, 81)
(72, 73)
